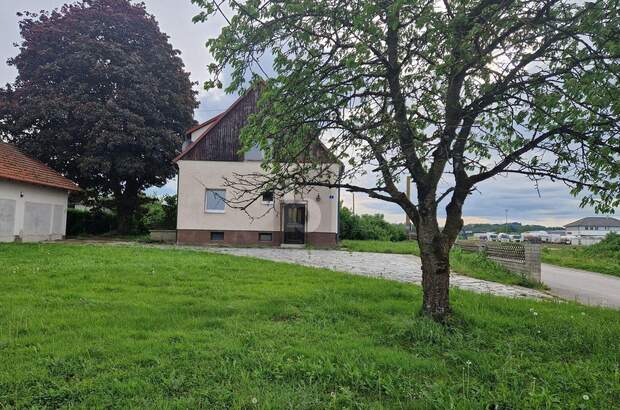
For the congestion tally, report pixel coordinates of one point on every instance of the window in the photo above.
(254, 154)
(268, 197)
(217, 236)
(265, 237)
(215, 200)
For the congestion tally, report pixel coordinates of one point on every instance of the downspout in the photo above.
(176, 228)
(340, 172)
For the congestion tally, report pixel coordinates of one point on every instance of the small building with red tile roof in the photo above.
(33, 198)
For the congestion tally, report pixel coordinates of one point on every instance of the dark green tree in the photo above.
(101, 96)
(451, 92)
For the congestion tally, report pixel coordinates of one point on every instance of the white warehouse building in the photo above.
(591, 230)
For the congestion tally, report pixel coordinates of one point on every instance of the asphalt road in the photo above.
(589, 288)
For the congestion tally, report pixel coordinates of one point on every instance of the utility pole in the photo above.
(506, 220)
(353, 194)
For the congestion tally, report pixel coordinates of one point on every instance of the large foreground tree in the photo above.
(101, 96)
(451, 92)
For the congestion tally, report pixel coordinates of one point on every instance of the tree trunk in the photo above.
(126, 207)
(434, 252)
(436, 283)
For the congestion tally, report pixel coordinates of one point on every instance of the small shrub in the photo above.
(369, 227)
(90, 222)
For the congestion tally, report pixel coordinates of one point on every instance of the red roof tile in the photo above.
(16, 166)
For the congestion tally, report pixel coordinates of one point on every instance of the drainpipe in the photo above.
(340, 172)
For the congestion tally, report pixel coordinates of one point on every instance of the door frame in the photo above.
(283, 206)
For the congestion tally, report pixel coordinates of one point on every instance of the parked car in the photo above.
(503, 237)
(515, 238)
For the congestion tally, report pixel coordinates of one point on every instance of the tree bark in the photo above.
(126, 207)
(435, 281)
(435, 255)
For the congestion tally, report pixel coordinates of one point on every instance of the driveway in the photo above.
(585, 287)
(402, 268)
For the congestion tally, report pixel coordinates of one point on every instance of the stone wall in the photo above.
(521, 258)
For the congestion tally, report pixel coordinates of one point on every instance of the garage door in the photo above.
(7, 219)
(37, 218)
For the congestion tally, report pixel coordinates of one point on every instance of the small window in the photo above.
(215, 200)
(265, 237)
(217, 236)
(254, 154)
(268, 197)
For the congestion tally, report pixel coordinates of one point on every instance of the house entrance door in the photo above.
(294, 223)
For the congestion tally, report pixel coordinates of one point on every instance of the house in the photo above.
(591, 230)
(33, 198)
(212, 153)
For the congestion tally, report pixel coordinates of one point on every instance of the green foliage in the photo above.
(101, 96)
(160, 213)
(604, 257)
(90, 222)
(369, 227)
(471, 264)
(126, 327)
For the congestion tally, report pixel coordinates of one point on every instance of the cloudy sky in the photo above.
(551, 204)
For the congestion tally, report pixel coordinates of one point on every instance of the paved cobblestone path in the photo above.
(402, 268)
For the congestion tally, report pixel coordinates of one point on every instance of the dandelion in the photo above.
(468, 363)
(583, 313)
(586, 397)
(535, 313)
(254, 400)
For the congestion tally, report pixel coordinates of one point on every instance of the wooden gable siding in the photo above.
(222, 141)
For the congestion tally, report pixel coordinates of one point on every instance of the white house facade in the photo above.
(33, 199)
(211, 155)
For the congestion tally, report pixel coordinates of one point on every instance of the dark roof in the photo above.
(220, 139)
(17, 166)
(595, 221)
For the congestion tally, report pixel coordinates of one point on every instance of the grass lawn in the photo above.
(581, 257)
(465, 263)
(111, 326)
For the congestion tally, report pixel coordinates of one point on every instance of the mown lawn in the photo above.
(111, 326)
(466, 263)
(582, 257)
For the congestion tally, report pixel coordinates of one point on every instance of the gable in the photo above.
(220, 137)
(220, 140)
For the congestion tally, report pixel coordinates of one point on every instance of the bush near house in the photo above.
(135, 327)
(369, 227)
(604, 257)
(154, 213)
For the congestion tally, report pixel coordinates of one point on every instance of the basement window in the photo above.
(217, 236)
(265, 237)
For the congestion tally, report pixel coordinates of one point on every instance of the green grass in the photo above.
(581, 257)
(96, 326)
(466, 263)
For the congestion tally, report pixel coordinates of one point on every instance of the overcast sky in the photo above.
(551, 204)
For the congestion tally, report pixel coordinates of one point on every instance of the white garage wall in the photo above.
(32, 213)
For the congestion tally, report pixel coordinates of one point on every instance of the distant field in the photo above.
(581, 257)
(466, 263)
(105, 326)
